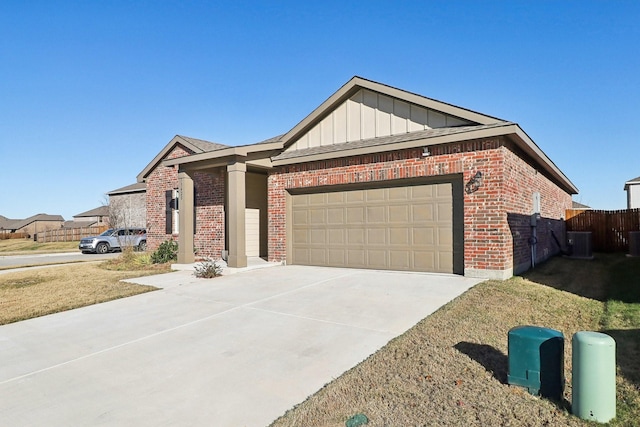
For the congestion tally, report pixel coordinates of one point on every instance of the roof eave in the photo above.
(519, 136)
(254, 151)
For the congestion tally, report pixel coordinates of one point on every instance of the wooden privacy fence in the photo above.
(6, 236)
(69, 234)
(609, 229)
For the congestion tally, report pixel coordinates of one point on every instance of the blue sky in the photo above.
(91, 91)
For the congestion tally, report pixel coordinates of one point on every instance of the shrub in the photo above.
(208, 269)
(166, 252)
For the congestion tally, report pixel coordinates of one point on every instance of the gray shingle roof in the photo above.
(99, 211)
(634, 181)
(410, 136)
(576, 205)
(131, 188)
(16, 224)
(204, 145)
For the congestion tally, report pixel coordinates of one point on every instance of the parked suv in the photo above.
(114, 239)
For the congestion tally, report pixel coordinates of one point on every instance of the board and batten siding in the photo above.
(369, 114)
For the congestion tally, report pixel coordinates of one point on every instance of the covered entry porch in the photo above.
(245, 201)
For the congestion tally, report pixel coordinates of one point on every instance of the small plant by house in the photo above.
(166, 252)
(208, 269)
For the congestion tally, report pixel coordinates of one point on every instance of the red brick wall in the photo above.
(521, 180)
(209, 200)
(488, 243)
(209, 240)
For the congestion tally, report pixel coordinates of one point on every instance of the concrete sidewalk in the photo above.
(238, 350)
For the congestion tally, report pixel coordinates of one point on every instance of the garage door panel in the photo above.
(355, 215)
(376, 215)
(318, 237)
(356, 258)
(377, 258)
(300, 237)
(317, 199)
(337, 257)
(399, 228)
(355, 236)
(376, 236)
(444, 237)
(399, 193)
(399, 260)
(301, 256)
(318, 256)
(424, 260)
(337, 236)
(445, 261)
(375, 195)
(399, 236)
(335, 216)
(422, 192)
(300, 217)
(423, 236)
(355, 196)
(422, 212)
(337, 198)
(317, 216)
(445, 213)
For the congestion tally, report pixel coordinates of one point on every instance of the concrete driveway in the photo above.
(238, 350)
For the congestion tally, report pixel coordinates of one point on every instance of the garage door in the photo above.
(396, 228)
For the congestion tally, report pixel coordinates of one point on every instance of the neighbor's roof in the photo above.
(631, 182)
(576, 205)
(138, 187)
(16, 224)
(99, 211)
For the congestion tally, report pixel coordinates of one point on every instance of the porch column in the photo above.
(235, 216)
(185, 219)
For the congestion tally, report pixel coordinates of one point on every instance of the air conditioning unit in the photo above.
(634, 243)
(580, 244)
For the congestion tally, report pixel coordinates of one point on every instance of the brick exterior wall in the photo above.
(209, 240)
(489, 212)
(209, 205)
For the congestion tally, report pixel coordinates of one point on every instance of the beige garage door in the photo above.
(398, 228)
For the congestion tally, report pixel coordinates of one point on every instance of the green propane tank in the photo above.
(594, 376)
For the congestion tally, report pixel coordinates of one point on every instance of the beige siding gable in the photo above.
(368, 114)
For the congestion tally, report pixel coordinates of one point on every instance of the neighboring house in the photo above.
(32, 225)
(375, 177)
(579, 206)
(127, 205)
(91, 218)
(632, 187)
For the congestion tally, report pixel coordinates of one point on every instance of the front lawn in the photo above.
(42, 291)
(28, 246)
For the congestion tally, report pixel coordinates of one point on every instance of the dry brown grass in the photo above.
(28, 246)
(39, 292)
(451, 368)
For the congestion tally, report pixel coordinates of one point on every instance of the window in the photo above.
(172, 223)
(176, 211)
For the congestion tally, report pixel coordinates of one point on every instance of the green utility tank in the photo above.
(594, 376)
(536, 360)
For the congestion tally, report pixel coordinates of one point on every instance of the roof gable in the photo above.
(195, 146)
(634, 181)
(379, 110)
(367, 114)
